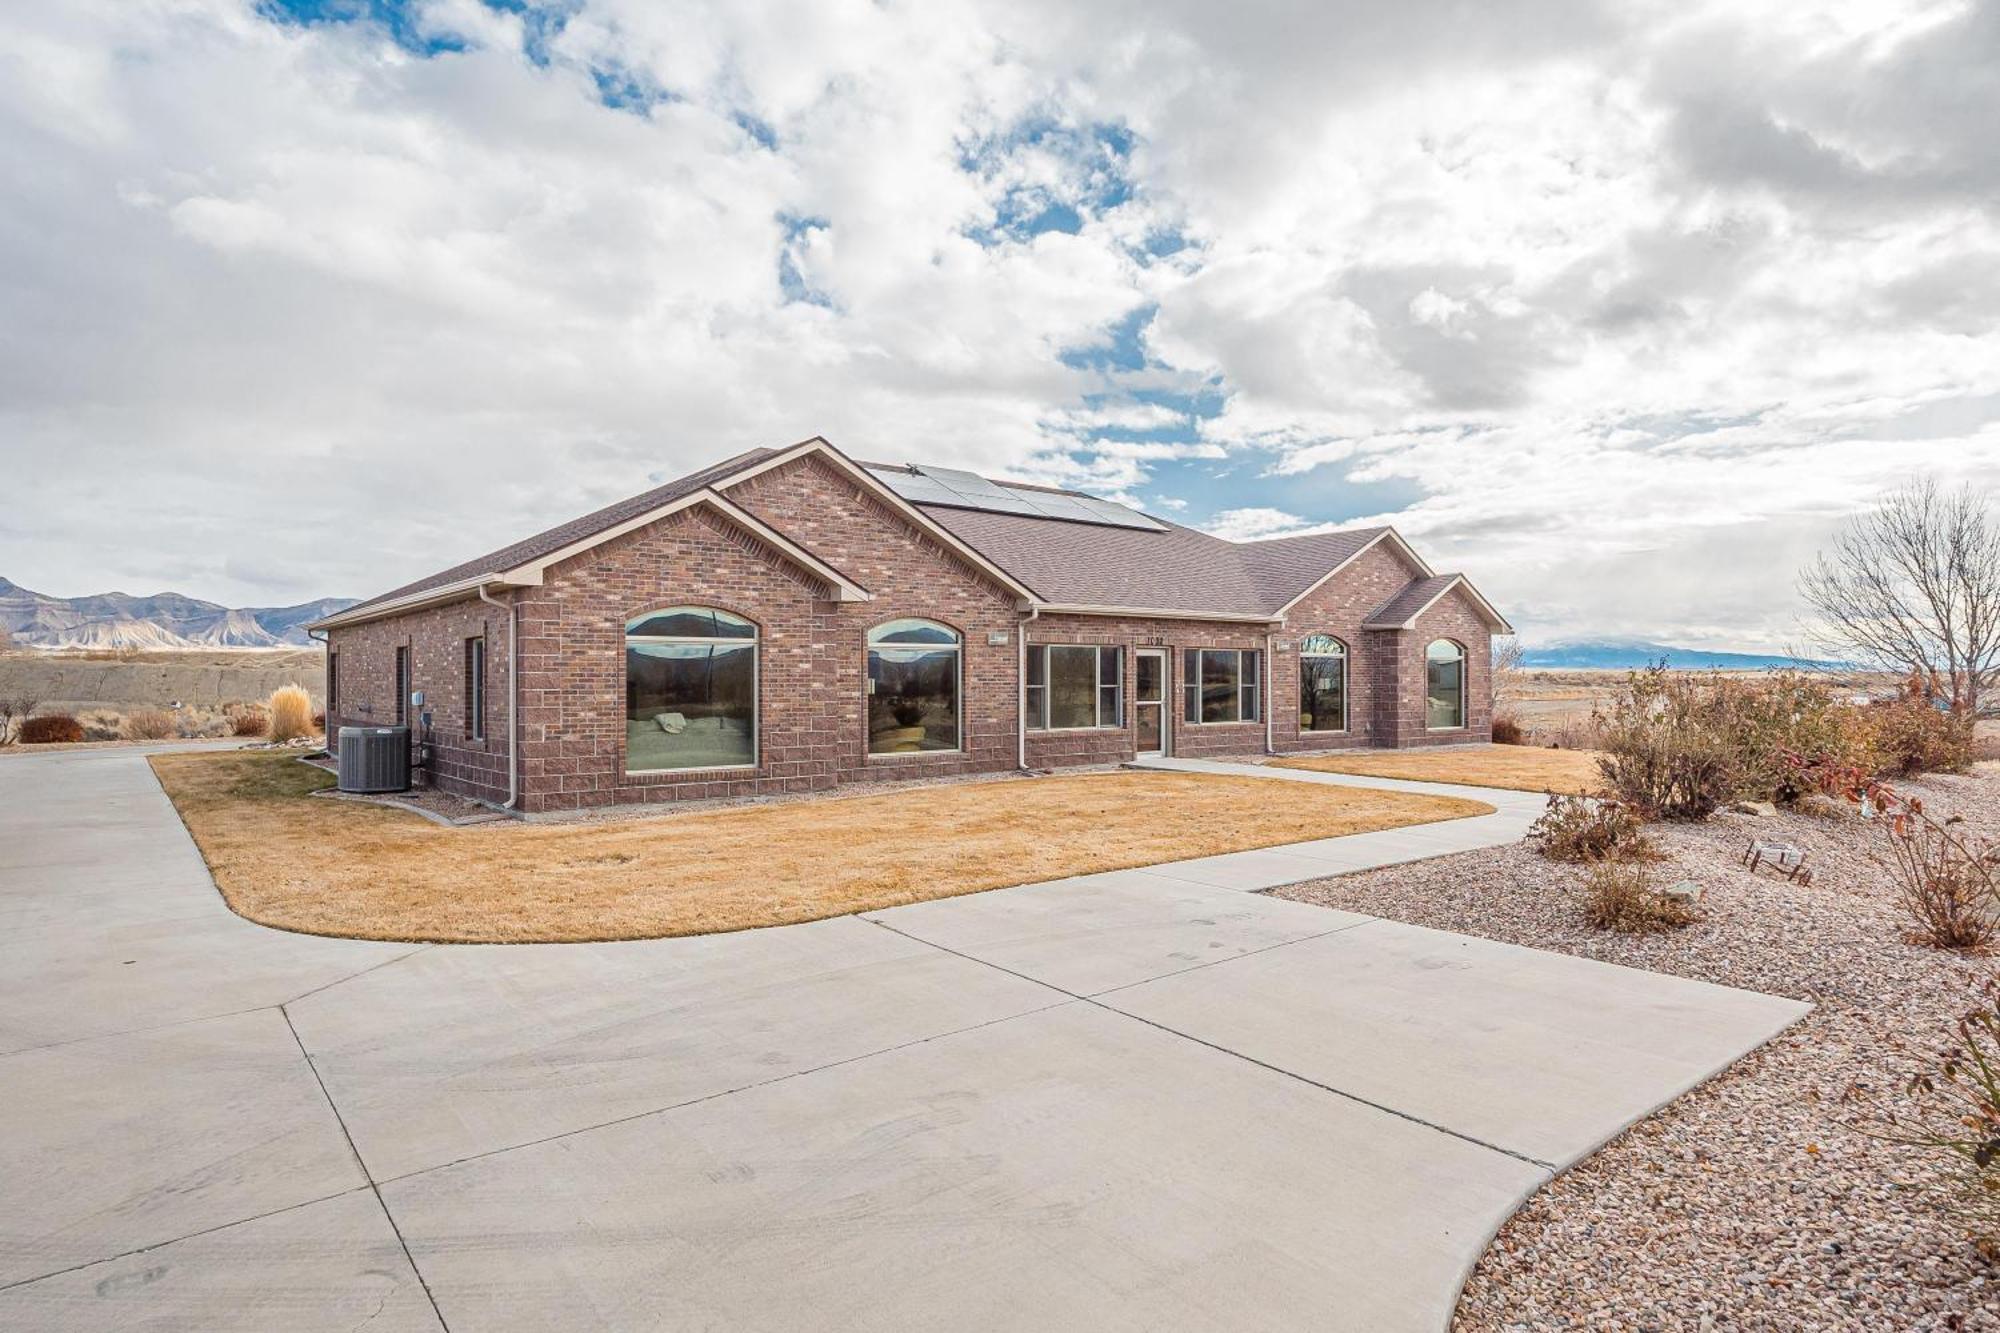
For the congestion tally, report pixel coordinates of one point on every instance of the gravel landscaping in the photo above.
(1751, 1203)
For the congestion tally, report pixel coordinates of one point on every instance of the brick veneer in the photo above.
(812, 709)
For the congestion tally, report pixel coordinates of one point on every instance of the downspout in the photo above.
(326, 674)
(1021, 691)
(513, 698)
(1270, 687)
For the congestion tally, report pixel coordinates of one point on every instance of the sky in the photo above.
(1618, 308)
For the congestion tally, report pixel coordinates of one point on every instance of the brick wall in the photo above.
(1054, 749)
(812, 704)
(1338, 607)
(365, 690)
(812, 667)
(1452, 618)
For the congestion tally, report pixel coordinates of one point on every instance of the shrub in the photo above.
(1506, 731)
(248, 721)
(1666, 751)
(51, 729)
(1947, 882)
(1620, 895)
(1576, 829)
(291, 713)
(319, 723)
(101, 724)
(1953, 1112)
(1767, 720)
(1908, 736)
(149, 724)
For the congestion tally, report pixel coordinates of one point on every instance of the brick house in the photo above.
(791, 619)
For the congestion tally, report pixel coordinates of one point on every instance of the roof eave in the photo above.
(455, 591)
(1156, 613)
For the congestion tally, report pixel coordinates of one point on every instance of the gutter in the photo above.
(1021, 690)
(513, 698)
(1155, 613)
(449, 592)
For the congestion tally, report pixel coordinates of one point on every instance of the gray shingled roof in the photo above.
(1181, 569)
(554, 539)
(1067, 563)
(1401, 608)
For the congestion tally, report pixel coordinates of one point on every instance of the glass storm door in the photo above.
(1149, 700)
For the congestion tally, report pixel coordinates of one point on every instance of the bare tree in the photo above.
(14, 710)
(1914, 586)
(1507, 673)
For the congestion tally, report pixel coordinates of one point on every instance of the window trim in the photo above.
(404, 684)
(1464, 712)
(868, 648)
(1038, 713)
(1346, 679)
(1250, 682)
(756, 642)
(475, 687)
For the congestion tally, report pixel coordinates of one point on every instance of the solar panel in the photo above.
(953, 489)
(975, 492)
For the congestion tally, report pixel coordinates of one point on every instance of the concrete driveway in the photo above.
(1124, 1101)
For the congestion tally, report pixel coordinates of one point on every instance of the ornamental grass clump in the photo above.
(150, 724)
(1620, 895)
(291, 713)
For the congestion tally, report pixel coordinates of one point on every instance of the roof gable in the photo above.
(1403, 610)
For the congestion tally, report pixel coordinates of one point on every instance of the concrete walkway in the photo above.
(1131, 1100)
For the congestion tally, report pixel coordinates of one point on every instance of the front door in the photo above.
(1149, 700)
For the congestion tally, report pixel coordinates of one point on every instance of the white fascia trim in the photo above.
(450, 592)
(1155, 613)
(894, 501)
(1494, 619)
(1389, 535)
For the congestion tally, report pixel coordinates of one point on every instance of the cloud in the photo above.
(1617, 308)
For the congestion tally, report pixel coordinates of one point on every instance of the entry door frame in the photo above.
(1166, 692)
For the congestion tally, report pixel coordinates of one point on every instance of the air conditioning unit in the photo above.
(374, 759)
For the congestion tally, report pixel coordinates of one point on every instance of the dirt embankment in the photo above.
(128, 680)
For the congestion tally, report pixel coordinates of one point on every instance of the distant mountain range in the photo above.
(164, 620)
(1630, 654)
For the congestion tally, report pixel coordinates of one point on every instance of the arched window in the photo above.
(690, 690)
(1446, 709)
(1322, 683)
(913, 687)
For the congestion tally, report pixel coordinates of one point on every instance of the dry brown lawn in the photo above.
(286, 858)
(1514, 767)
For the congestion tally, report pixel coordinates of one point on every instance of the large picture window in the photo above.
(690, 690)
(1220, 685)
(1075, 685)
(914, 671)
(1446, 693)
(1322, 683)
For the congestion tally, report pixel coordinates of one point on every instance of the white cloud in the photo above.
(1619, 307)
